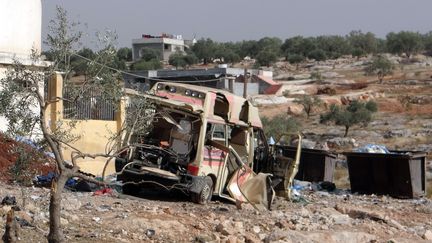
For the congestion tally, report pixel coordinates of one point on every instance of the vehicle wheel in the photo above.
(206, 193)
(131, 189)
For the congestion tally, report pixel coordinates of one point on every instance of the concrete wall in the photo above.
(21, 24)
(94, 134)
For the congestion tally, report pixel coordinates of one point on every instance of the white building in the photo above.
(165, 44)
(20, 32)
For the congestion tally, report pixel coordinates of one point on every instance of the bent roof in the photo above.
(236, 103)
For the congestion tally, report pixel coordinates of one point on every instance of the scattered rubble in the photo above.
(323, 216)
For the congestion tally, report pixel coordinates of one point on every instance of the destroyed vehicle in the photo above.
(204, 142)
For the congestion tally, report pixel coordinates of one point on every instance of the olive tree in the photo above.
(355, 113)
(22, 94)
(380, 66)
(308, 102)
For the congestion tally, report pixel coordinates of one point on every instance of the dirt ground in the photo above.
(404, 122)
(317, 216)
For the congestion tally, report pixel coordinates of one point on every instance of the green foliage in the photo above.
(180, 59)
(177, 60)
(226, 54)
(280, 124)
(295, 58)
(204, 49)
(146, 65)
(150, 54)
(318, 55)
(404, 42)
(379, 66)
(355, 113)
(308, 102)
(124, 54)
(334, 46)
(298, 45)
(266, 57)
(427, 42)
(362, 43)
(270, 44)
(357, 52)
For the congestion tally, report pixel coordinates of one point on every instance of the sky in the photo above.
(236, 20)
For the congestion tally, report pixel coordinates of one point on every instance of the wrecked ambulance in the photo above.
(204, 142)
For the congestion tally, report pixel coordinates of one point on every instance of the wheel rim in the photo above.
(205, 194)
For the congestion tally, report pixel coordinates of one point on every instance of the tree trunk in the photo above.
(55, 234)
(346, 131)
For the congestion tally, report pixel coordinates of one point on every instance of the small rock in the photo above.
(9, 200)
(96, 219)
(223, 230)
(251, 238)
(427, 235)
(150, 233)
(256, 229)
(64, 221)
(203, 238)
(341, 219)
(231, 239)
(23, 215)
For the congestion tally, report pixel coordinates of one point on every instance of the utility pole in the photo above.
(245, 80)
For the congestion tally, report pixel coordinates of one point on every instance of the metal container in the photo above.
(315, 165)
(399, 174)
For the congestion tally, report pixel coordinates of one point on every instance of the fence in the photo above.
(87, 104)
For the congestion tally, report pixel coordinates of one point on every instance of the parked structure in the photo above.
(165, 44)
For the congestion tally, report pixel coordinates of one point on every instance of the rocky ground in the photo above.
(404, 122)
(317, 217)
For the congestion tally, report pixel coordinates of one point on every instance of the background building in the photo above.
(165, 44)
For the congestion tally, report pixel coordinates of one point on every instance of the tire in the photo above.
(131, 189)
(206, 193)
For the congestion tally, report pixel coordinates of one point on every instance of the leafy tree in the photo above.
(80, 65)
(266, 57)
(427, 43)
(124, 54)
(149, 54)
(248, 48)
(298, 45)
(362, 43)
(177, 60)
(270, 44)
(317, 54)
(295, 59)
(380, 66)
(334, 46)
(279, 124)
(308, 102)
(355, 113)
(358, 52)
(226, 54)
(190, 58)
(404, 42)
(204, 49)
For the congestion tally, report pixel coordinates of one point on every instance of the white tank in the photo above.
(21, 25)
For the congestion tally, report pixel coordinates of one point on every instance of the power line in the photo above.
(140, 76)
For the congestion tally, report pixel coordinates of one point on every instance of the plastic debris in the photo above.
(103, 192)
(373, 148)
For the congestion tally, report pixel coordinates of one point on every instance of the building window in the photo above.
(167, 47)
